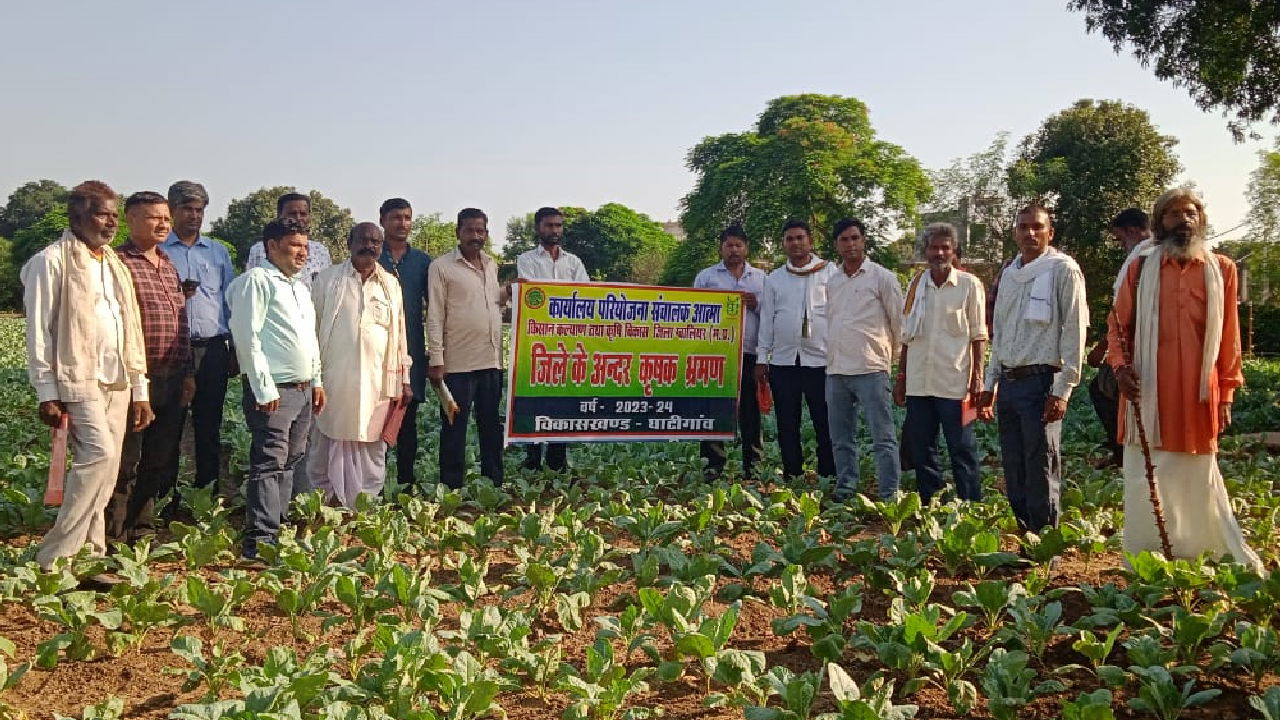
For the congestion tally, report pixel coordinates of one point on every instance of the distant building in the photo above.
(674, 229)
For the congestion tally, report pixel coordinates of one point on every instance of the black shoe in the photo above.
(102, 582)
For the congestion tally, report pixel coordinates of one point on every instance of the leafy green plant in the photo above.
(993, 597)
(1159, 695)
(1089, 706)
(601, 689)
(76, 612)
(221, 669)
(1268, 703)
(863, 703)
(796, 692)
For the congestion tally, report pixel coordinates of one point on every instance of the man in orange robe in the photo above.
(1174, 342)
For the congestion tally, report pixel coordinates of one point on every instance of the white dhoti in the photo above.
(1197, 510)
(345, 468)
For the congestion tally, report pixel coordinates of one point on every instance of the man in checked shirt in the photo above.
(149, 461)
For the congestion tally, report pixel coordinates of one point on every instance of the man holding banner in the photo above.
(733, 272)
(549, 261)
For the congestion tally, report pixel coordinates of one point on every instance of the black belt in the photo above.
(202, 342)
(299, 385)
(1026, 371)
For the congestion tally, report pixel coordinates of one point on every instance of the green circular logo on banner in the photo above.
(535, 298)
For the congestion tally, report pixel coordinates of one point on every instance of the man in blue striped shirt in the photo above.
(274, 327)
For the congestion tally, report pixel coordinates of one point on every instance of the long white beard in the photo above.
(1195, 246)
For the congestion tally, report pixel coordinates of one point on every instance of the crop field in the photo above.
(635, 589)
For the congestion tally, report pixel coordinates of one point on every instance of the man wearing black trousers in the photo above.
(793, 331)
(464, 337)
(733, 272)
(409, 266)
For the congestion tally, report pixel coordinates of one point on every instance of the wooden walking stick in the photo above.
(1154, 491)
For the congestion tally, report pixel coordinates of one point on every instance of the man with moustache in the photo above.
(204, 266)
(360, 316)
(792, 345)
(295, 206)
(1036, 349)
(1174, 343)
(733, 272)
(944, 341)
(864, 329)
(149, 460)
(464, 337)
(408, 265)
(274, 326)
(1130, 228)
(87, 362)
(549, 261)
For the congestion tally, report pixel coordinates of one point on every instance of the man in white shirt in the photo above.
(734, 272)
(1037, 345)
(297, 207)
(549, 261)
(87, 360)
(864, 328)
(361, 335)
(943, 344)
(792, 347)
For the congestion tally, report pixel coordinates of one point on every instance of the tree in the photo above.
(28, 204)
(973, 193)
(1226, 53)
(1264, 197)
(433, 235)
(813, 157)
(242, 225)
(619, 244)
(1089, 162)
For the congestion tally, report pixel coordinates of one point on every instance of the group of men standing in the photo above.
(122, 342)
(829, 335)
(125, 341)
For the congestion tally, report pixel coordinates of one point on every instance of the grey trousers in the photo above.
(847, 395)
(279, 440)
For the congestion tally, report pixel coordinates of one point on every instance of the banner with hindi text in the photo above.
(615, 362)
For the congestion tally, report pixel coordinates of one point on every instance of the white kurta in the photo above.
(366, 364)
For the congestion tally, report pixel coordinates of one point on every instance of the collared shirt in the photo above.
(464, 314)
(537, 264)
(782, 311)
(718, 277)
(864, 320)
(318, 258)
(940, 358)
(273, 324)
(209, 262)
(163, 310)
(411, 273)
(1018, 342)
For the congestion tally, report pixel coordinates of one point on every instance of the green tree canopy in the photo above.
(1088, 163)
(619, 244)
(433, 234)
(1264, 197)
(28, 204)
(812, 157)
(242, 226)
(1225, 53)
(973, 192)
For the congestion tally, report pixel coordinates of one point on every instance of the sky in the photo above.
(510, 105)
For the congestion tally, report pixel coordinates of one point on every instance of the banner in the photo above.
(611, 362)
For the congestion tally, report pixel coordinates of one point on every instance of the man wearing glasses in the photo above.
(409, 266)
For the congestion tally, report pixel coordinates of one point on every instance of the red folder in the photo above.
(57, 461)
(395, 417)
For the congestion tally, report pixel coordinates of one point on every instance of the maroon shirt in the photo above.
(163, 309)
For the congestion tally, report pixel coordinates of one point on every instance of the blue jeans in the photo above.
(924, 415)
(1030, 450)
(845, 393)
(279, 440)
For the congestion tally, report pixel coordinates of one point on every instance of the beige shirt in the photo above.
(953, 316)
(464, 314)
(864, 320)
